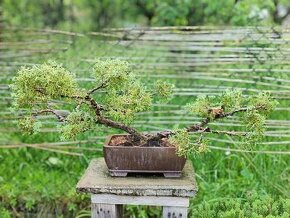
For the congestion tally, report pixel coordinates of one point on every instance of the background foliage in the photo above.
(92, 15)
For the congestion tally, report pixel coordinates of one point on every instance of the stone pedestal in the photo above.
(108, 194)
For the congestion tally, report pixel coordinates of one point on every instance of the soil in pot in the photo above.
(127, 140)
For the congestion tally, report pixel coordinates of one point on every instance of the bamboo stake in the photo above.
(250, 151)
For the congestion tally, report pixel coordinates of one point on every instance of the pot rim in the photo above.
(109, 137)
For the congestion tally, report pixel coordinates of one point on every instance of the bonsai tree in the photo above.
(116, 98)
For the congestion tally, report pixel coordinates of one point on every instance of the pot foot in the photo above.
(118, 174)
(172, 175)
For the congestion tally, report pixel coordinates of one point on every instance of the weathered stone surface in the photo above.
(97, 180)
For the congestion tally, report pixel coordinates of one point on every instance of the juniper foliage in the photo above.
(116, 98)
(250, 110)
(40, 84)
(35, 88)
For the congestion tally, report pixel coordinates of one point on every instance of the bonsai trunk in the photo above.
(137, 137)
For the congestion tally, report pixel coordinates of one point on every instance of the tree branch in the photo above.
(108, 122)
(60, 117)
(103, 85)
(231, 113)
(201, 126)
(205, 121)
(97, 107)
(231, 133)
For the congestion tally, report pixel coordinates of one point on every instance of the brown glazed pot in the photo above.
(122, 160)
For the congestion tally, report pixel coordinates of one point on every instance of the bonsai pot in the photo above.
(122, 160)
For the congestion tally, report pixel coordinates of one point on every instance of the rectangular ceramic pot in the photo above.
(122, 160)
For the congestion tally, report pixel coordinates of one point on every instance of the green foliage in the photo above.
(228, 101)
(251, 110)
(115, 74)
(92, 15)
(29, 125)
(255, 125)
(142, 211)
(163, 89)
(263, 206)
(263, 101)
(231, 100)
(125, 95)
(124, 104)
(4, 213)
(40, 183)
(181, 140)
(39, 84)
(185, 147)
(200, 107)
(76, 122)
(260, 107)
(122, 96)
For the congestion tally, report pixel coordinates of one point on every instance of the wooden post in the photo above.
(106, 211)
(104, 205)
(174, 212)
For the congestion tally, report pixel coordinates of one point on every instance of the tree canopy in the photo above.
(118, 95)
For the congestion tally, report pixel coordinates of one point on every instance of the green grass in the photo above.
(42, 182)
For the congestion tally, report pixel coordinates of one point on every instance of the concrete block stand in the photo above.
(109, 194)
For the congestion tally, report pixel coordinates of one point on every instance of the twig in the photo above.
(60, 117)
(104, 85)
(227, 133)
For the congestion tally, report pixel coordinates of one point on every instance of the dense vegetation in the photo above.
(38, 175)
(92, 15)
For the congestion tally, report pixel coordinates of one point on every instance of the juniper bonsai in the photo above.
(116, 98)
